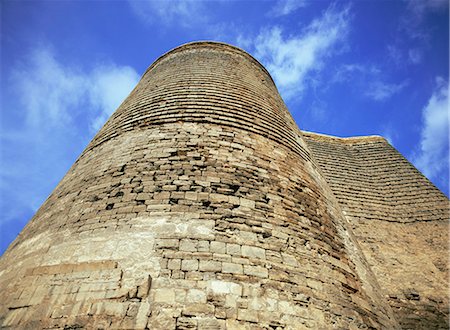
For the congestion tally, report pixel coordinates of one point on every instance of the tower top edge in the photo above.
(344, 140)
(204, 44)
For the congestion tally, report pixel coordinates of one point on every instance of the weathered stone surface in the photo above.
(210, 266)
(400, 220)
(197, 205)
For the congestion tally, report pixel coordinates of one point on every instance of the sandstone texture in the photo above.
(199, 205)
(400, 220)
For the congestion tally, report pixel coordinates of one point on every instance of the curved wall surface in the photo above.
(197, 205)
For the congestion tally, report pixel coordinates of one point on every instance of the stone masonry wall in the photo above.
(400, 220)
(197, 205)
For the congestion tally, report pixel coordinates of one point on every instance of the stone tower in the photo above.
(197, 205)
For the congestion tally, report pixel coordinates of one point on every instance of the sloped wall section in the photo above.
(400, 220)
(197, 205)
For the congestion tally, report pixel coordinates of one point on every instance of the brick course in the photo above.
(197, 205)
(400, 219)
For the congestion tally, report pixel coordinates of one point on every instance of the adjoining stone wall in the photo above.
(196, 206)
(400, 220)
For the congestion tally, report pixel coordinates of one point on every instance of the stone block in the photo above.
(189, 265)
(184, 323)
(218, 247)
(256, 271)
(157, 207)
(177, 194)
(220, 313)
(240, 260)
(144, 288)
(234, 249)
(162, 319)
(174, 264)
(210, 266)
(164, 295)
(247, 203)
(225, 287)
(161, 195)
(248, 236)
(177, 274)
(289, 260)
(253, 252)
(114, 308)
(169, 187)
(188, 245)
(196, 296)
(194, 276)
(228, 267)
(198, 309)
(247, 315)
(218, 198)
(191, 195)
(286, 307)
(222, 257)
(211, 323)
(234, 200)
(180, 295)
(168, 243)
(203, 246)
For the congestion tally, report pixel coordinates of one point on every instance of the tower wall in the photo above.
(400, 220)
(197, 205)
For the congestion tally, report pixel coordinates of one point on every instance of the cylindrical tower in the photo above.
(197, 205)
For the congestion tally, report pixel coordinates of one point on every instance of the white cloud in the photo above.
(380, 91)
(292, 59)
(183, 12)
(286, 7)
(432, 157)
(390, 133)
(355, 71)
(54, 94)
(395, 54)
(415, 56)
(47, 119)
(421, 7)
(402, 57)
(413, 17)
(369, 80)
(46, 89)
(109, 86)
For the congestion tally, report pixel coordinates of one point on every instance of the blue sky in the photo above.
(343, 68)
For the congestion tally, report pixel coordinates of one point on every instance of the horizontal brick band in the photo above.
(210, 83)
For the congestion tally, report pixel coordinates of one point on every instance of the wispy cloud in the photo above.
(53, 111)
(369, 80)
(402, 56)
(109, 86)
(395, 54)
(354, 71)
(422, 7)
(182, 12)
(389, 133)
(286, 7)
(412, 38)
(415, 56)
(47, 90)
(432, 156)
(380, 91)
(411, 22)
(291, 59)
(52, 93)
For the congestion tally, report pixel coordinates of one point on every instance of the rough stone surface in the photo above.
(400, 220)
(200, 206)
